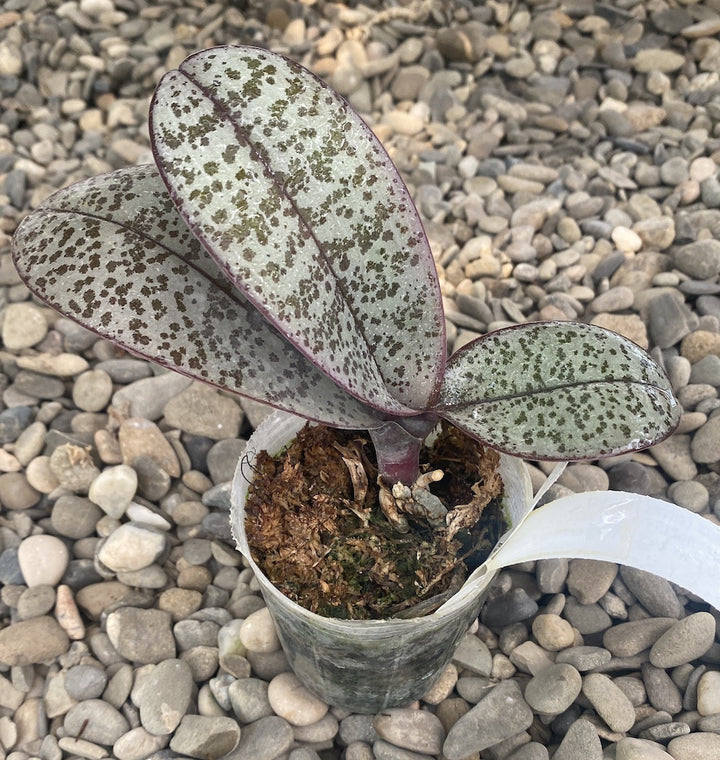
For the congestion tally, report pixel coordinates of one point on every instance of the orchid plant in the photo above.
(274, 251)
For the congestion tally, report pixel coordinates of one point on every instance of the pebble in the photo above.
(43, 560)
(164, 696)
(663, 693)
(39, 639)
(141, 438)
(132, 546)
(589, 580)
(145, 397)
(654, 593)
(697, 746)
(581, 740)
(96, 721)
(552, 632)
(114, 489)
(257, 632)
(141, 635)
(205, 737)
(23, 326)
(628, 639)
(414, 730)
(686, 640)
(265, 739)
(553, 689)
(16, 493)
(498, 716)
(249, 699)
(609, 702)
(35, 601)
(85, 682)
(473, 655)
(200, 410)
(137, 744)
(708, 693)
(293, 702)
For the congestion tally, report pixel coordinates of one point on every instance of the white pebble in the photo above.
(292, 701)
(43, 560)
(131, 547)
(113, 489)
(258, 633)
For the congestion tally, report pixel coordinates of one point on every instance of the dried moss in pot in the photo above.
(316, 529)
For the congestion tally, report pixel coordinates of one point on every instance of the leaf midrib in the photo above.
(244, 135)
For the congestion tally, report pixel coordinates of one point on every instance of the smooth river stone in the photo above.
(113, 489)
(498, 716)
(293, 702)
(686, 640)
(32, 641)
(43, 560)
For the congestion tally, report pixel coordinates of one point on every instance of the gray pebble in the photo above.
(147, 396)
(551, 575)
(141, 635)
(223, 458)
(13, 422)
(662, 692)
(473, 655)
(512, 607)
(609, 702)
(628, 639)
(164, 697)
(206, 737)
(35, 601)
(584, 658)
(700, 260)
(499, 715)
(530, 751)
(587, 618)
(705, 443)
(669, 319)
(588, 580)
(414, 730)
(265, 739)
(248, 697)
(553, 689)
(98, 721)
(195, 633)
(580, 741)
(382, 750)
(689, 494)
(653, 592)
(85, 682)
(75, 516)
(686, 640)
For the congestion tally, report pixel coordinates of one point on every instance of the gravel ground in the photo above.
(564, 156)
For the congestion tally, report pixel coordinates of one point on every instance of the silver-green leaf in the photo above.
(558, 390)
(112, 253)
(297, 200)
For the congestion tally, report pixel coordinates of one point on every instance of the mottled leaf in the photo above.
(299, 203)
(113, 254)
(558, 390)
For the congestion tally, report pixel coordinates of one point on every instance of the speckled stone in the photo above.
(498, 716)
(686, 640)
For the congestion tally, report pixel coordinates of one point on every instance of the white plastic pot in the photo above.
(366, 666)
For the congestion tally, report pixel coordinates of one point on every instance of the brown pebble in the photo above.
(32, 641)
(67, 613)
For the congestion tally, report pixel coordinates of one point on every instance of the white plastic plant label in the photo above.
(626, 528)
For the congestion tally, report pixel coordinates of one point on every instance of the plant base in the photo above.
(316, 529)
